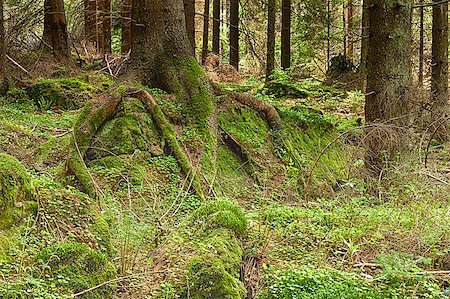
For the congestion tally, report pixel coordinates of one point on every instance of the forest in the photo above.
(243, 149)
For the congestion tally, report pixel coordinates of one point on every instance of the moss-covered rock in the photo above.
(78, 268)
(64, 93)
(7, 241)
(16, 191)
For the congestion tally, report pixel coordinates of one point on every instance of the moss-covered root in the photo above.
(76, 268)
(17, 192)
(89, 121)
(169, 136)
(272, 116)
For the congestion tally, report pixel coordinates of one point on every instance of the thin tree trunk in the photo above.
(55, 28)
(350, 29)
(205, 32)
(106, 26)
(364, 45)
(126, 26)
(344, 26)
(421, 43)
(189, 10)
(270, 61)
(3, 78)
(439, 70)
(389, 77)
(286, 34)
(328, 33)
(216, 27)
(234, 33)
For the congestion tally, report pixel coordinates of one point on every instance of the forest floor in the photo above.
(291, 216)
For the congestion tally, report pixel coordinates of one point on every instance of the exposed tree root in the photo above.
(239, 151)
(94, 116)
(169, 136)
(89, 121)
(272, 116)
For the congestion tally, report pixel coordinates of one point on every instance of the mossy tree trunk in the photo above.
(388, 75)
(3, 79)
(439, 70)
(55, 28)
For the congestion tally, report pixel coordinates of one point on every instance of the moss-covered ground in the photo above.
(294, 216)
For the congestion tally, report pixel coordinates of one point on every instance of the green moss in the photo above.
(51, 153)
(64, 93)
(208, 279)
(100, 230)
(79, 267)
(7, 241)
(221, 214)
(131, 129)
(16, 191)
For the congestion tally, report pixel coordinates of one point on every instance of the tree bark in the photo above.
(286, 34)
(3, 78)
(205, 49)
(189, 10)
(55, 28)
(389, 75)
(216, 27)
(234, 33)
(90, 21)
(270, 61)
(126, 26)
(439, 70)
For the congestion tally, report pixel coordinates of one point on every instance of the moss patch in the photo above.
(80, 268)
(64, 93)
(16, 191)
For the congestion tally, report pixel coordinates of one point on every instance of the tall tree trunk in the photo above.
(328, 33)
(205, 32)
(234, 33)
(126, 26)
(90, 21)
(106, 26)
(364, 44)
(439, 70)
(350, 29)
(421, 43)
(55, 28)
(189, 11)
(389, 76)
(286, 34)
(216, 27)
(3, 78)
(270, 61)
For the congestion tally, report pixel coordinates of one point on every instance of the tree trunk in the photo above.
(421, 43)
(55, 28)
(350, 29)
(205, 32)
(106, 26)
(389, 76)
(90, 21)
(270, 62)
(126, 26)
(328, 33)
(216, 27)
(234, 33)
(364, 44)
(439, 70)
(3, 79)
(286, 34)
(189, 10)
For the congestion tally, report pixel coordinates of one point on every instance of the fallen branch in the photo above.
(17, 64)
